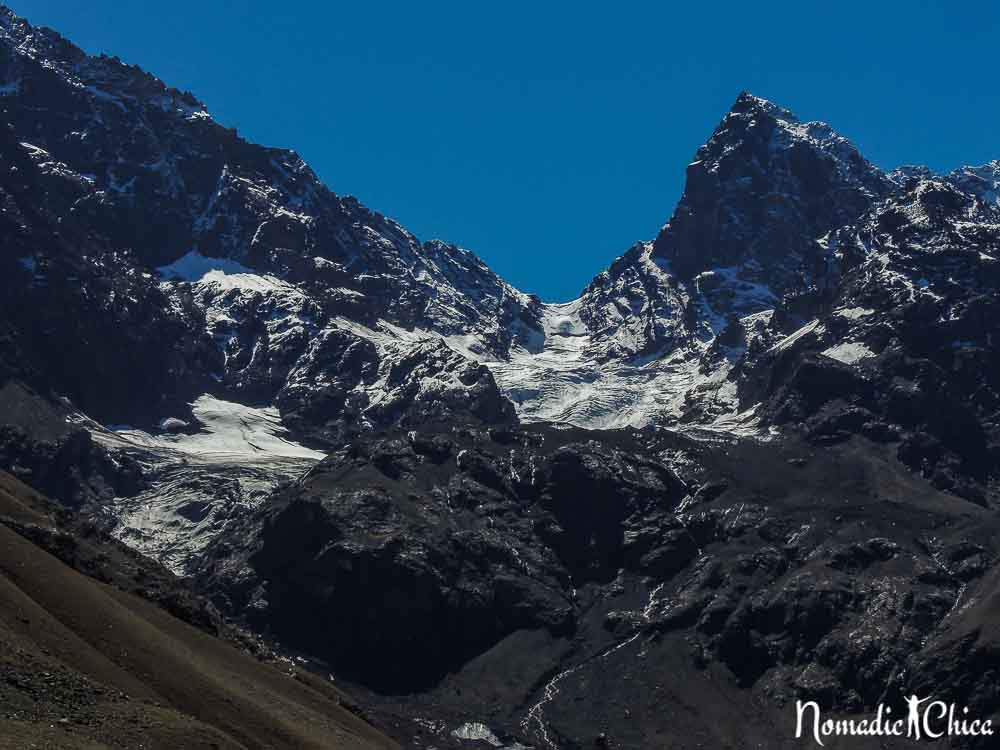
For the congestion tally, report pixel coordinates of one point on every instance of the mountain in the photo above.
(755, 461)
(138, 177)
(156, 261)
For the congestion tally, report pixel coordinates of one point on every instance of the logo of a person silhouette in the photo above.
(913, 718)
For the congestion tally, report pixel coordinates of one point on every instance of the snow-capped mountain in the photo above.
(653, 339)
(759, 451)
(178, 184)
(144, 170)
(310, 300)
(152, 219)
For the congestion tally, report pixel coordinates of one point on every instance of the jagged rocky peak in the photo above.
(983, 181)
(67, 60)
(761, 196)
(761, 193)
(980, 182)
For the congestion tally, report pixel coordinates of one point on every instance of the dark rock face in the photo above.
(962, 660)
(41, 446)
(418, 563)
(762, 191)
(82, 321)
(905, 352)
(74, 468)
(458, 538)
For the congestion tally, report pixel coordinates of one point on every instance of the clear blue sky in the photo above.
(548, 137)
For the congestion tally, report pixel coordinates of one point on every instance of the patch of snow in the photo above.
(246, 281)
(228, 429)
(983, 181)
(792, 338)
(764, 316)
(200, 482)
(172, 424)
(173, 103)
(344, 291)
(105, 97)
(853, 313)
(194, 266)
(850, 352)
(34, 151)
(924, 285)
(476, 731)
(48, 165)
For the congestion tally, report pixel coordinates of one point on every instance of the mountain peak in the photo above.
(749, 103)
(762, 188)
(11, 23)
(15, 26)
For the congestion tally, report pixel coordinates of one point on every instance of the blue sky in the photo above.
(548, 137)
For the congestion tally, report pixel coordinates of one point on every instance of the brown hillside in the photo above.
(85, 665)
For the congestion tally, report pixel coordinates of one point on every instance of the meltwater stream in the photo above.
(534, 721)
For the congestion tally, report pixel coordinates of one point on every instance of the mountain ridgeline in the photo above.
(756, 460)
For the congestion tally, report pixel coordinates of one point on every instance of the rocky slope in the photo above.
(755, 460)
(87, 661)
(553, 586)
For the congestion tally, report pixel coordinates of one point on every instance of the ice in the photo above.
(469, 346)
(853, 313)
(585, 377)
(200, 482)
(194, 266)
(172, 424)
(567, 381)
(849, 352)
(791, 339)
(227, 428)
(564, 319)
(247, 281)
(476, 731)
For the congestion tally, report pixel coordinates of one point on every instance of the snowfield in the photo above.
(201, 481)
(228, 430)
